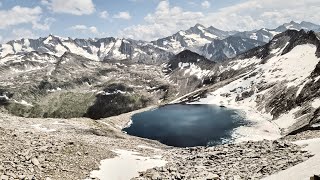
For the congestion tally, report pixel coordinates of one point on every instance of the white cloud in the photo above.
(205, 4)
(19, 15)
(85, 29)
(123, 15)
(104, 14)
(247, 15)
(93, 30)
(254, 14)
(165, 21)
(17, 34)
(45, 25)
(44, 2)
(75, 7)
(22, 33)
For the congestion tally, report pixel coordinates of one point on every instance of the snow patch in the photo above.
(23, 102)
(315, 103)
(126, 165)
(43, 129)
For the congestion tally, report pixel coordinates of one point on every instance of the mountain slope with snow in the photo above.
(279, 81)
(95, 49)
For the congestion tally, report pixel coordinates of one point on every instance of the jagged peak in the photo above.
(199, 25)
(214, 28)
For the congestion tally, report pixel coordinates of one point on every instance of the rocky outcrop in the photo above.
(249, 160)
(189, 57)
(221, 50)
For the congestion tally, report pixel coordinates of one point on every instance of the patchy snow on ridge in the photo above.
(191, 69)
(126, 165)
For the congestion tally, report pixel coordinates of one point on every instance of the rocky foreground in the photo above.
(58, 148)
(73, 148)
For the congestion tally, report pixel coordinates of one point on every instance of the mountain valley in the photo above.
(64, 103)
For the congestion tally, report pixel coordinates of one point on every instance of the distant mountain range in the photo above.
(96, 49)
(218, 45)
(213, 43)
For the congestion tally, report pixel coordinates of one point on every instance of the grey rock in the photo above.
(212, 176)
(4, 177)
(35, 161)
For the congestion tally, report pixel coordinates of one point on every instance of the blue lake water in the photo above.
(186, 125)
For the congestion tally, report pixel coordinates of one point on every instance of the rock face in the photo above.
(249, 160)
(189, 57)
(189, 71)
(220, 50)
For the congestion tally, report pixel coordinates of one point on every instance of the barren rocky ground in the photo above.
(59, 148)
(35, 148)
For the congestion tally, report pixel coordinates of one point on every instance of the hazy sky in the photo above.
(144, 19)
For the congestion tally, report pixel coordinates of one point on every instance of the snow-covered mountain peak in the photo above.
(192, 38)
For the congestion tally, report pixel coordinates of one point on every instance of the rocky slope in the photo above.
(43, 85)
(249, 160)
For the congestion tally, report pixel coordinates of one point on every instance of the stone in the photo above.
(155, 176)
(4, 177)
(236, 177)
(212, 176)
(12, 175)
(30, 177)
(21, 176)
(35, 161)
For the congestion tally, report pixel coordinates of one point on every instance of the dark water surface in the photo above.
(186, 125)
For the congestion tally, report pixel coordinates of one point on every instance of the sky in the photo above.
(144, 19)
